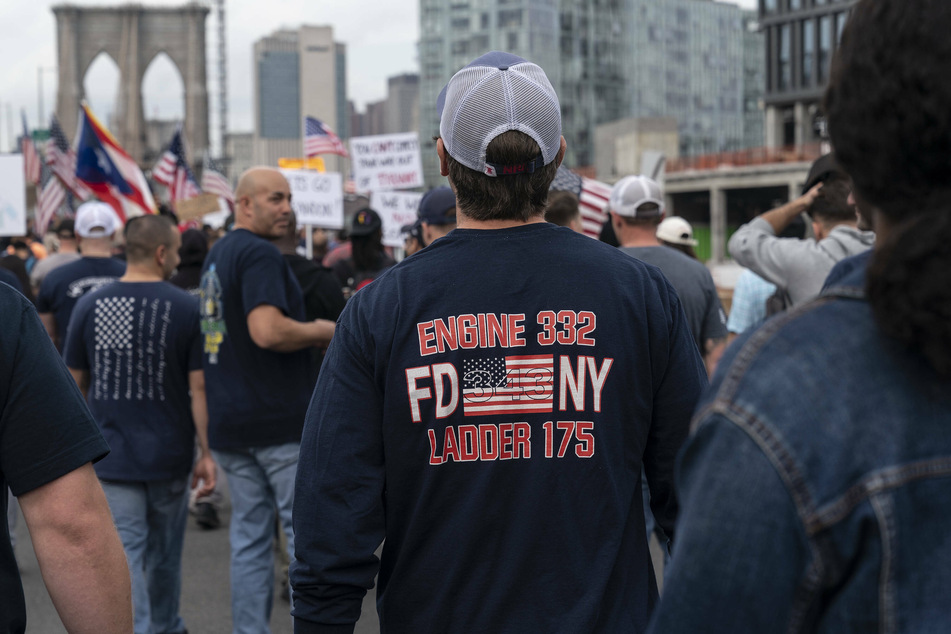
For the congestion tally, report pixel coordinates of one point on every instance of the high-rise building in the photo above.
(801, 37)
(608, 60)
(296, 74)
(401, 113)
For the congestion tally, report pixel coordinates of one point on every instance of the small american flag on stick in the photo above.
(320, 139)
(593, 197)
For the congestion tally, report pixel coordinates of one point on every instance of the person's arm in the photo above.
(339, 518)
(49, 322)
(677, 389)
(79, 553)
(780, 217)
(205, 467)
(273, 330)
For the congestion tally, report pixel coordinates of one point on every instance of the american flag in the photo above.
(31, 159)
(320, 139)
(213, 181)
(62, 160)
(48, 201)
(508, 385)
(593, 197)
(172, 171)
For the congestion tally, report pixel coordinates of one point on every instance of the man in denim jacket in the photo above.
(815, 485)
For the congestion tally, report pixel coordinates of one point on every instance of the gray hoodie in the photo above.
(798, 266)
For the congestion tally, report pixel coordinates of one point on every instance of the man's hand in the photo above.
(205, 476)
(780, 217)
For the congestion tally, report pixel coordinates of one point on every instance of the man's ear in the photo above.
(561, 152)
(443, 163)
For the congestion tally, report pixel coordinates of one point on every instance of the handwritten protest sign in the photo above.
(386, 162)
(317, 198)
(12, 196)
(396, 209)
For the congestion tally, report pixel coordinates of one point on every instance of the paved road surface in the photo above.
(206, 599)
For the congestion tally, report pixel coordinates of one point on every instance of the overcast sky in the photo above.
(380, 36)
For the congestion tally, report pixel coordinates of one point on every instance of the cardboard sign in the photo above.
(396, 209)
(12, 196)
(317, 198)
(197, 207)
(386, 162)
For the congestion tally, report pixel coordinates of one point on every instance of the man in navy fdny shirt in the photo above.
(487, 405)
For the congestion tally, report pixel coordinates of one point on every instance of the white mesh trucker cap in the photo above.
(631, 192)
(496, 93)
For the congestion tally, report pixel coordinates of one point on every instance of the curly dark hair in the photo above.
(889, 111)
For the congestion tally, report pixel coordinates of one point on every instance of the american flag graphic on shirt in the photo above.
(508, 385)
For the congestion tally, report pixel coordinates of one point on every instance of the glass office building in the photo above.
(801, 37)
(608, 60)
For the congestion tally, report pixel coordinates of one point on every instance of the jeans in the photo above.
(261, 479)
(150, 518)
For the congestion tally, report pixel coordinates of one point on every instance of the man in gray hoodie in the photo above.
(799, 267)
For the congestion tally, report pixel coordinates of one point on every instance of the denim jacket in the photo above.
(816, 485)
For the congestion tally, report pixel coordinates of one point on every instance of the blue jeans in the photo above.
(261, 479)
(150, 518)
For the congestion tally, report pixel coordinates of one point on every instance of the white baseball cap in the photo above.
(495, 93)
(631, 192)
(676, 230)
(96, 219)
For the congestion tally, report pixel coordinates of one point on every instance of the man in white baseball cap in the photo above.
(96, 227)
(637, 210)
(487, 404)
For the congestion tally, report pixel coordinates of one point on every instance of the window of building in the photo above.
(795, 5)
(769, 6)
(461, 24)
(513, 41)
(840, 20)
(510, 19)
(825, 47)
(808, 51)
(785, 58)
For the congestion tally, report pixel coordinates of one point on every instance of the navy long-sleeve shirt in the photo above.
(486, 407)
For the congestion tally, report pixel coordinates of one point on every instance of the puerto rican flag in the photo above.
(520, 384)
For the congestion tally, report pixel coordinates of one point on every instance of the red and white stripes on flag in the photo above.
(61, 158)
(593, 197)
(48, 201)
(320, 139)
(172, 171)
(593, 203)
(214, 182)
(31, 158)
(517, 384)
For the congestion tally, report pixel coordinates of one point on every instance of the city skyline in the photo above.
(380, 36)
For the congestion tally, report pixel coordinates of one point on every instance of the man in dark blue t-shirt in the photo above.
(134, 349)
(487, 405)
(258, 370)
(47, 441)
(96, 226)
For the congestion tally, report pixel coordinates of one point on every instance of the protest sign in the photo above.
(396, 209)
(12, 196)
(317, 198)
(386, 162)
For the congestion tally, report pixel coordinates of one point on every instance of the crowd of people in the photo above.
(514, 410)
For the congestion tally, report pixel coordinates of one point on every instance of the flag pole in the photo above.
(308, 229)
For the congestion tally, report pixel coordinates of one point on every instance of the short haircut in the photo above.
(562, 209)
(511, 197)
(831, 205)
(652, 220)
(144, 234)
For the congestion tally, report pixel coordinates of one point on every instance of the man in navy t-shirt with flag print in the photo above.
(134, 348)
(486, 406)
